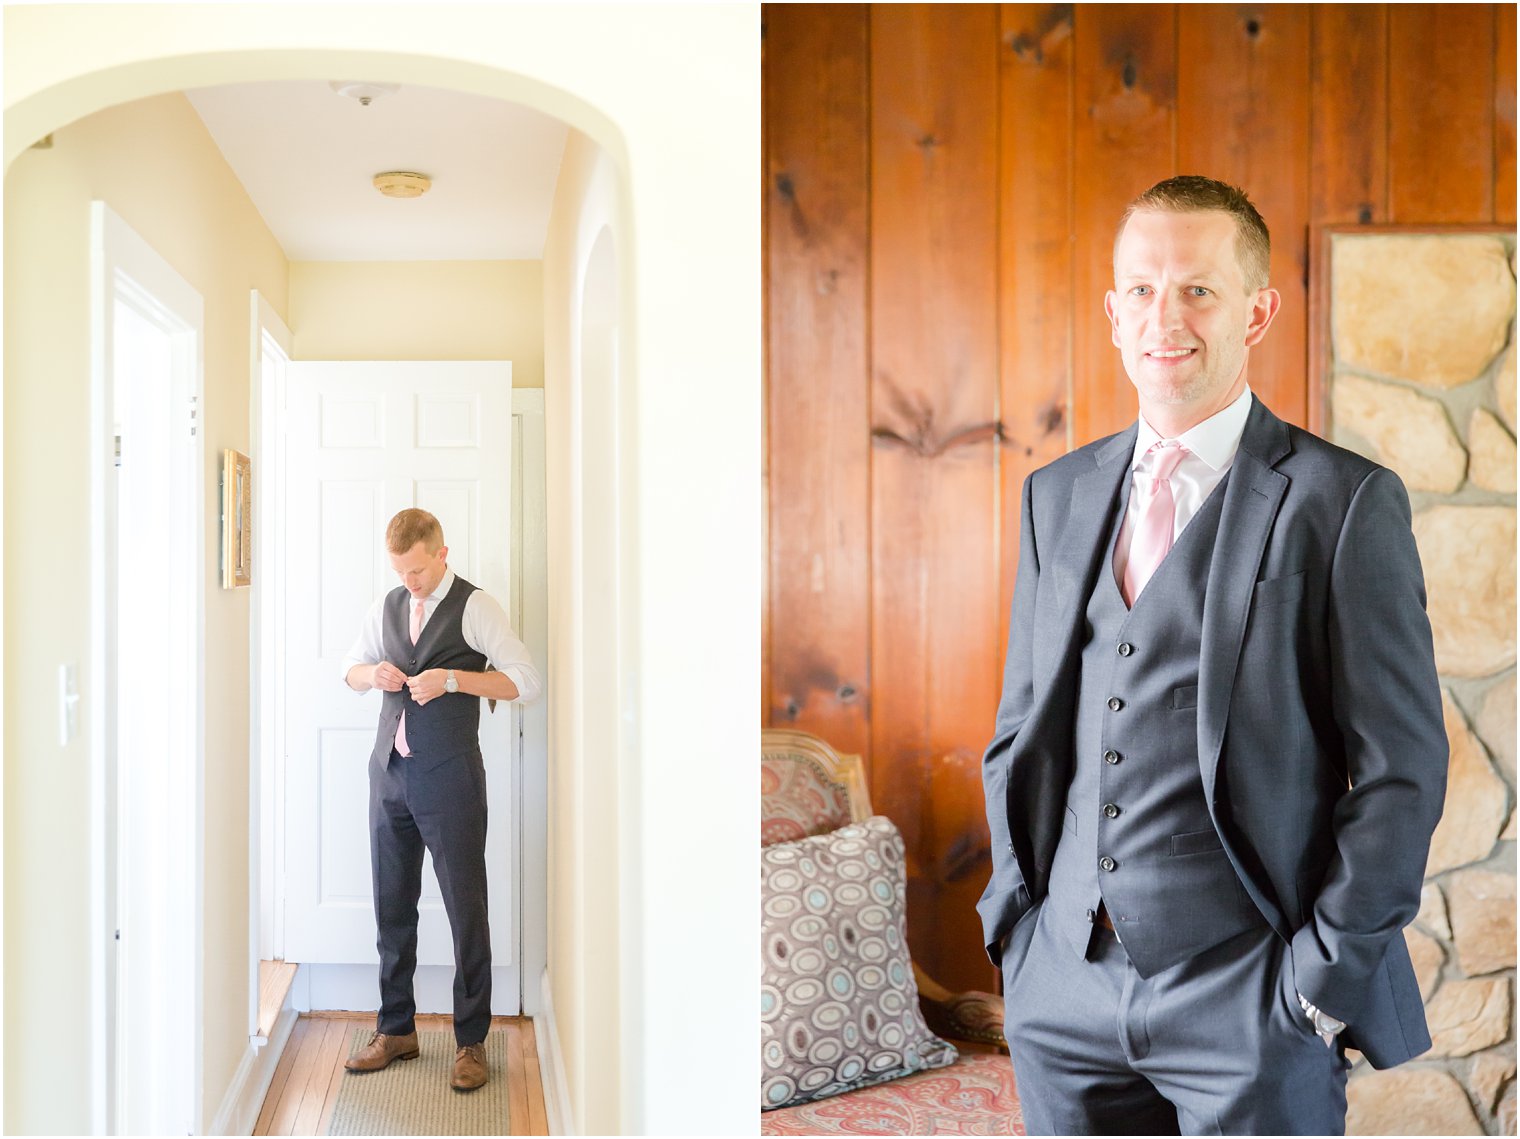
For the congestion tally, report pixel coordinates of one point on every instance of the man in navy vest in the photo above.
(1219, 755)
(426, 646)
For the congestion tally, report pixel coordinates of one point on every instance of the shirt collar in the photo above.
(444, 586)
(1215, 440)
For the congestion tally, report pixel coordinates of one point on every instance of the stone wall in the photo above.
(1423, 381)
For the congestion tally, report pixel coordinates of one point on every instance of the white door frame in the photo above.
(527, 607)
(126, 268)
(265, 719)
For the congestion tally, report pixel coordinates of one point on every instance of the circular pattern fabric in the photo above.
(839, 1009)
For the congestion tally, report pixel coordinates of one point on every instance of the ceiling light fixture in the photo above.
(365, 93)
(402, 184)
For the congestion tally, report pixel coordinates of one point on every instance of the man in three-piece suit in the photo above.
(1219, 755)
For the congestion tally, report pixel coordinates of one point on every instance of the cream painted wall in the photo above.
(591, 945)
(421, 310)
(670, 93)
(154, 163)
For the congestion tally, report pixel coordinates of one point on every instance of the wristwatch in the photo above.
(452, 685)
(1325, 1025)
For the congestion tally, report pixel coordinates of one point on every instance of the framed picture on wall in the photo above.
(237, 520)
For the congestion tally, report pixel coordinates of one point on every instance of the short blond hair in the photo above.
(1193, 193)
(410, 527)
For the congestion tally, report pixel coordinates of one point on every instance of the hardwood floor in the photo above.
(305, 1087)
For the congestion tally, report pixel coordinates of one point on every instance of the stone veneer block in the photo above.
(1482, 907)
(1432, 913)
(1434, 310)
(1496, 725)
(1492, 450)
(1425, 952)
(1468, 1016)
(1408, 1101)
(1409, 432)
(1468, 554)
(1489, 1073)
(1504, 386)
(1508, 833)
(1505, 1116)
(1475, 800)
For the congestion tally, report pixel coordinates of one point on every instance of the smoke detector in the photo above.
(402, 184)
(365, 93)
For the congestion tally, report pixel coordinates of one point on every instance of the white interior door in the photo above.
(365, 440)
(147, 737)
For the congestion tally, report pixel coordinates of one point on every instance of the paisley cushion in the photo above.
(797, 799)
(974, 1096)
(838, 1005)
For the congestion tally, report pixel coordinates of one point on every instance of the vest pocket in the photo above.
(1185, 697)
(1195, 842)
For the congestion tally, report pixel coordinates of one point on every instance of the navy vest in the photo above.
(449, 725)
(1138, 836)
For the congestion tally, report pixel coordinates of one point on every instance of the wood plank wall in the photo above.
(942, 185)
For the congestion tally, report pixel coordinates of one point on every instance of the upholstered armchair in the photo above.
(809, 789)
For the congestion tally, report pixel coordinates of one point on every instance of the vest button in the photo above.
(1110, 810)
(1010, 848)
(1114, 703)
(1091, 914)
(1107, 863)
(1125, 648)
(1111, 756)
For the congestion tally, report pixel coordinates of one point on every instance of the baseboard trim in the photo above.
(250, 1083)
(551, 1061)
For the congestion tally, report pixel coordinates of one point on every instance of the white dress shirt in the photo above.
(485, 627)
(1211, 447)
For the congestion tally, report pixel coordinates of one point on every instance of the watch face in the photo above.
(450, 684)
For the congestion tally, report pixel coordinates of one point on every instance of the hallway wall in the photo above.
(155, 164)
(588, 949)
(421, 310)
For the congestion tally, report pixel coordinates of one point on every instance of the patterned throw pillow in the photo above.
(838, 1004)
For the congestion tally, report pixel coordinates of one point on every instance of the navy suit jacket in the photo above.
(1320, 735)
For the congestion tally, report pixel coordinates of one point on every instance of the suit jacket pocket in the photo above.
(1195, 842)
(1277, 590)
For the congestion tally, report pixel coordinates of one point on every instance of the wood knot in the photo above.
(1128, 76)
(1253, 28)
(1051, 418)
(1027, 48)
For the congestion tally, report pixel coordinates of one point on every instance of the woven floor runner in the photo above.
(413, 1097)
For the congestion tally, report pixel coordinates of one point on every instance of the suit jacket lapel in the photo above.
(1084, 539)
(1253, 495)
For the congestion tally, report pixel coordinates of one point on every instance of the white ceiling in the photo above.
(306, 155)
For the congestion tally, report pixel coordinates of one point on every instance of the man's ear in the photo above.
(1263, 309)
(1110, 303)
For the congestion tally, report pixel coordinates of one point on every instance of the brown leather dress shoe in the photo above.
(381, 1050)
(469, 1067)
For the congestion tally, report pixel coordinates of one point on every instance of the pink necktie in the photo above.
(401, 745)
(1153, 532)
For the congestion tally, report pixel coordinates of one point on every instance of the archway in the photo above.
(64, 103)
